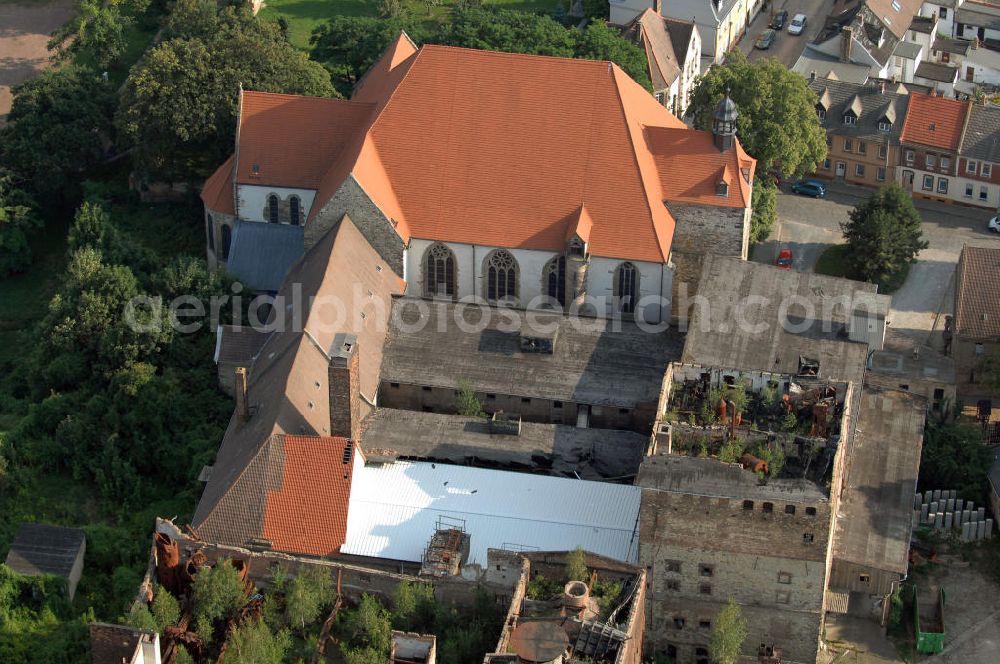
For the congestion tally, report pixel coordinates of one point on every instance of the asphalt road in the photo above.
(786, 48)
(808, 226)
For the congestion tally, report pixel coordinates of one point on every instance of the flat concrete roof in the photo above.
(713, 478)
(897, 360)
(556, 448)
(741, 326)
(880, 479)
(595, 361)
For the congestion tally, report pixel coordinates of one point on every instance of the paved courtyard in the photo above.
(808, 226)
(24, 33)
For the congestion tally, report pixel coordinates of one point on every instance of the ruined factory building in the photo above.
(397, 507)
(42, 549)
(547, 362)
(847, 320)
(872, 538)
(560, 449)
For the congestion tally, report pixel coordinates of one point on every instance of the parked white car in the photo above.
(994, 225)
(797, 25)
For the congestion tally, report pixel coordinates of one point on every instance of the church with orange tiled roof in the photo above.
(532, 181)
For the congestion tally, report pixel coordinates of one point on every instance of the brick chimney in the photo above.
(242, 395)
(345, 387)
(846, 43)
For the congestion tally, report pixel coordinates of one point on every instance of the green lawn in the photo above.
(833, 262)
(304, 15)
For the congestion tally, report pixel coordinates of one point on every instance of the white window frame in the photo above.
(884, 126)
(970, 166)
(859, 170)
(849, 119)
(969, 190)
(848, 145)
(880, 173)
(924, 184)
(942, 185)
(984, 193)
(909, 156)
(985, 169)
(930, 160)
(945, 163)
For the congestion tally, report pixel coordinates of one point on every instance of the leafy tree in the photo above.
(777, 124)
(728, 634)
(601, 42)
(216, 593)
(180, 101)
(466, 401)
(389, 8)
(97, 30)
(987, 371)
(576, 565)
(183, 656)
(954, 457)
(166, 611)
(370, 626)
(141, 617)
(307, 594)
(16, 220)
(59, 129)
(765, 209)
(883, 233)
(191, 18)
(255, 643)
(506, 30)
(349, 45)
(414, 607)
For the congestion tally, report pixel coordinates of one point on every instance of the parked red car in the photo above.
(784, 259)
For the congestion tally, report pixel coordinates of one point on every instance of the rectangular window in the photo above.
(704, 624)
(674, 585)
(928, 183)
(942, 185)
(850, 119)
(810, 511)
(945, 163)
(790, 509)
(896, 5)
(826, 164)
(491, 397)
(782, 597)
(784, 577)
(983, 193)
(426, 388)
(859, 170)
(862, 147)
(986, 170)
(706, 570)
(678, 622)
(970, 167)
(883, 152)
(705, 589)
(848, 145)
(394, 386)
(968, 191)
(979, 349)
(943, 13)
(807, 538)
(909, 156)
(930, 160)
(674, 566)
(821, 114)
(880, 174)
(884, 126)
(557, 404)
(525, 399)
(865, 578)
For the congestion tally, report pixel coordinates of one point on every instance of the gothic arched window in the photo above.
(272, 209)
(626, 287)
(211, 233)
(439, 271)
(227, 239)
(294, 210)
(555, 279)
(501, 275)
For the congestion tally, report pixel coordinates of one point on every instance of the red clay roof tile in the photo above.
(934, 121)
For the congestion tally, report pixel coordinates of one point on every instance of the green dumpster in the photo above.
(928, 621)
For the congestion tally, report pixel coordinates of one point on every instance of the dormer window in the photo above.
(576, 248)
(821, 112)
(722, 188)
(884, 125)
(850, 119)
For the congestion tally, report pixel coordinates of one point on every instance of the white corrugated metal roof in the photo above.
(395, 508)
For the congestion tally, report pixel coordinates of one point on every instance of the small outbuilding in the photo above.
(42, 549)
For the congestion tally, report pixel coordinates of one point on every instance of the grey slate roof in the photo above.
(823, 65)
(560, 449)
(982, 136)
(966, 15)
(262, 253)
(922, 24)
(937, 71)
(873, 528)
(44, 549)
(908, 50)
(875, 106)
(977, 281)
(957, 46)
(591, 363)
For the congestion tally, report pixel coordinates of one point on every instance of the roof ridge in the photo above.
(965, 126)
(634, 150)
(532, 56)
